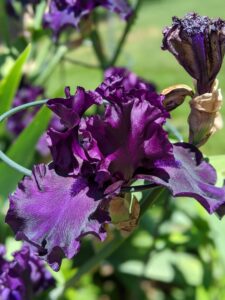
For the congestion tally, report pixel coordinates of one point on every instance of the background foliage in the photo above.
(177, 252)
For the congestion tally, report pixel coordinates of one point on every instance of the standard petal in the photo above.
(130, 79)
(128, 137)
(190, 175)
(71, 108)
(52, 213)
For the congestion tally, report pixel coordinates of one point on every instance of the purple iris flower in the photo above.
(94, 158)
(69, 13)
(198, 43)
(24, 276)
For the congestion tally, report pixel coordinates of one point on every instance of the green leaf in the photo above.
(9, 84)
(22, 151)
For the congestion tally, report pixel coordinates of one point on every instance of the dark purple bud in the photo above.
(198, 43)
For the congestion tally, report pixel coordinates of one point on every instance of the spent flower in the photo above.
(198, 43)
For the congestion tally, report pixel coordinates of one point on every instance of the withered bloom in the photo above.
(198, 43)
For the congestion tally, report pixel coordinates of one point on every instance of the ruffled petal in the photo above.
(191, 176)
(128, 137)
(52, 213)
(130, 79)
(64, 144)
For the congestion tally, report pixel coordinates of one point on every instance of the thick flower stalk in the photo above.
(23, 277)
(97, 157)
(68, 13)
(198, 43)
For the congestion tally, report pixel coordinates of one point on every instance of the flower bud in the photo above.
(198, 43)
(175, 95)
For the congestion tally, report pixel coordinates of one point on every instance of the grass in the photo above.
(143, 55)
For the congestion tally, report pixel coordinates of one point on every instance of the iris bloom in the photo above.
(198, 43)
(24, 276)
(67, 13)
(94, 158)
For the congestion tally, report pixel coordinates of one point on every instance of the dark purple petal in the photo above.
(130, 79)
(64, 144)
(71, 109)
(129, 135)
(198, 43)
(53, 213)
(191, 176)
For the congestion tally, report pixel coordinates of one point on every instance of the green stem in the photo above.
(17, 109)
(40, 9)
(172, 129)
(14, 165)
(8, 114)
(51, 66)
(97, 46)
(80, 63)
(125, 34)
(113, 245)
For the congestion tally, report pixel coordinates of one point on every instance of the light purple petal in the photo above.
(53, 213)
(191, 177)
